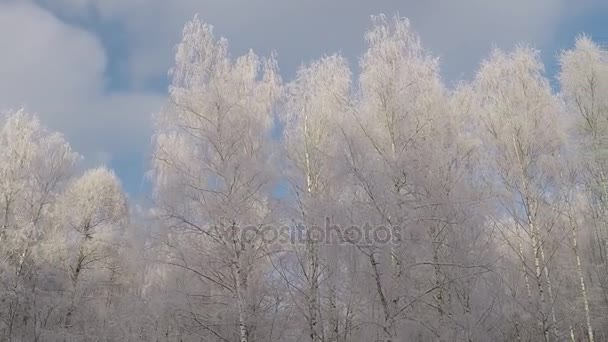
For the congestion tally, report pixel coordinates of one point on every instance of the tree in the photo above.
(315, 105)
(401, 98)
(212, 183)
(519, 127)
(92, 209)
(584, 82)
(34, 166)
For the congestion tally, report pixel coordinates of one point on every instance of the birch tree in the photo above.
(400, 97)
(35, 163)
(519, 125)
(92, 209)
(210, 174)
(315, 105)
(584, 82)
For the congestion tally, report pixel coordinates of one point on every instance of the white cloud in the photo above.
(300, 30)
(57, 71)
(42, 56)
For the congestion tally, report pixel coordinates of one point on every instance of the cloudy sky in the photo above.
(97, 69)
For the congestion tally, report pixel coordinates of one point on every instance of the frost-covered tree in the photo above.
(314, 106)
(395, 116)
(34, 166)
(519, 126)
(409, 170)
(52, 233)
(212, 181)
(92, 211)
(584, 85)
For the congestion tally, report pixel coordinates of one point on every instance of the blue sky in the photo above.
(96, 70)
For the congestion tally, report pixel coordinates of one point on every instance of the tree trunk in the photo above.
(525, 270)
(75, 275)
(538, 273)
(389, 323)
(312, 250)
(581, 280)
(334, 319)
(549, 291)
(240, 287)
(313, 290)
